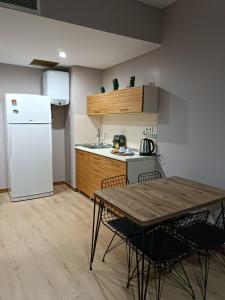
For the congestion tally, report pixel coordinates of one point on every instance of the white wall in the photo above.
(146, 70)
(79, 127)
(15, 79)
(192, 112)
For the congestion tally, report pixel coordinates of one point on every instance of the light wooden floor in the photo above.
(44, 254)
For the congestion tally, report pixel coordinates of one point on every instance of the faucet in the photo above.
(99, 136)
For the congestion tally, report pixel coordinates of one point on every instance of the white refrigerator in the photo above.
(28, 133)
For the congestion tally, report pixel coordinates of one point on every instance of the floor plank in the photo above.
(45, 248)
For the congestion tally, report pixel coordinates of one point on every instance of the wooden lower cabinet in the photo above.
(91, 169)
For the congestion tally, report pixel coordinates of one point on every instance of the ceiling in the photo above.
(158, 3)
(25, 37)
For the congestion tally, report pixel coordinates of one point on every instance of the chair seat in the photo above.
(165, 248)
(205, 235)
(126, 226)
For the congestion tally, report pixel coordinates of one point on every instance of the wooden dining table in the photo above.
(151, 203)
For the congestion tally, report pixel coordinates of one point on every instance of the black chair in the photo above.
(112, 219)
(149, 176)
(204, 237)
(164, 251)
(220, 221)
(118, 224)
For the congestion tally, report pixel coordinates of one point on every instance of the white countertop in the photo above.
(107, 153)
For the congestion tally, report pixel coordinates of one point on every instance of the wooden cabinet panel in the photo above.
(127, 101)
(82, 173)
(130, 100)
(98, 104)
(91, 169)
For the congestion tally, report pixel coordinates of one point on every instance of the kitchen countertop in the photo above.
(107, 153)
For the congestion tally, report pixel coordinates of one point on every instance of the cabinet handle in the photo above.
(116, 165)
(96, 111)
(124, 109)
(96, 158)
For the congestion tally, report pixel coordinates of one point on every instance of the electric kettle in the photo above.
(147, 147)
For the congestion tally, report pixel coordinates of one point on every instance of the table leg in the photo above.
(140, 264)
(137, 262)
(95, 229)
(222, 210)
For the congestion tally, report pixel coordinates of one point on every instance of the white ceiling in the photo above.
(24, 37)
(158, 3)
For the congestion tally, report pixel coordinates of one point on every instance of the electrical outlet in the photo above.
(150, 132)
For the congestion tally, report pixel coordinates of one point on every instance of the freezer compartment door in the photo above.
(27, 109)
(30, 160)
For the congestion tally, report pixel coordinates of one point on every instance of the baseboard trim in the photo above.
(67, 184)
(59, 182)
(55, 183)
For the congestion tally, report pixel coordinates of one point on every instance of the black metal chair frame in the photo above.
(149, 176)
(161, 265)
(204, 253)
(105, 220)
(109, 214)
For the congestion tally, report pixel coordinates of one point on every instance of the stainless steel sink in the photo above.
(96, 146)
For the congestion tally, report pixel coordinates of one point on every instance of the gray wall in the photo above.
(126, 17)
(145, 68)
(15, 79)
(192, 111)
(58, 143)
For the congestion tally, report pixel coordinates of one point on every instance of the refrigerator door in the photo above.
(27, 109)
(30, 160)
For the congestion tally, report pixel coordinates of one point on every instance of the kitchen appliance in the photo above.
(147, 147)
(119, 141)
(28, 132)
(56, 85)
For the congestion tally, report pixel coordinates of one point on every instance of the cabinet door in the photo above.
(95, 173)
(102, 167)
(111, 167)
(130, 100)
(82, 171)
(98, 104)
(127, 101)
(91, 169)
(117, 102)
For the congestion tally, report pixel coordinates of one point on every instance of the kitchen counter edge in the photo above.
(107, 153)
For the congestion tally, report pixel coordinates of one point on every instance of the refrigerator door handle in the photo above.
(10, 149)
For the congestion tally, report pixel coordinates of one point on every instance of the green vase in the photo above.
(115, 84)
(132, 81)
(102, 90)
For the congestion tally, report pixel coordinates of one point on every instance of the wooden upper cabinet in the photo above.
(130, 100)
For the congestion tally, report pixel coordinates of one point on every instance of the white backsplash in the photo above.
(132, 126)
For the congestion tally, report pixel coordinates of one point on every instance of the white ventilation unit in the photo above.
(56, 85)
(30, 6)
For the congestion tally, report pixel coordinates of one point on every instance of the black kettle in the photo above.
(147, 147)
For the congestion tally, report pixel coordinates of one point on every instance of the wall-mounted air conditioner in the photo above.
(56, 85)
(30, 6)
